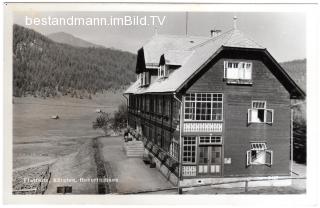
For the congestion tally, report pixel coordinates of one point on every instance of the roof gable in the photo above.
(194, 57)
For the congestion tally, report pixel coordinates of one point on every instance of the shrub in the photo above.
(117, 123)
(120, 117)
(103, 121)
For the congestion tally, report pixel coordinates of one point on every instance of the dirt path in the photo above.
(132, 174)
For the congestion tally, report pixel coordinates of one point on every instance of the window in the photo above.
(174, 149)
(167, 106)
(189, 150)
(155, 105)
(158, 136)
(259, 113)
(210, 140)
(189, 107)
(166, 141)
(237, 70)
(144, 78)
(259, 154)
(148, 104)
(203, 106)
(145, 130)
(138, 102)
(143, 106)
(163, 71)
(160, 102)
(151, 104)
(151, 133)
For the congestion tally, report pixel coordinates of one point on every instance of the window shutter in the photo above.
(269, 116)
(248, 158)
(225, 69)
(248, 71)
(249, 116)
(269, 157)
(147, 78)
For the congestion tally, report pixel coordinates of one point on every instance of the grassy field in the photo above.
(37, 138)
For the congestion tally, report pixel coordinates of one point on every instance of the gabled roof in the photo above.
(200, 55)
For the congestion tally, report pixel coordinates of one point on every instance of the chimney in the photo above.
(235, 22)
(214, 33)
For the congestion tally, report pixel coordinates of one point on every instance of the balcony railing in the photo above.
(202, 127)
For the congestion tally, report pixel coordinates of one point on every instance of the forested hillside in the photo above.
(42, 67)
(62, 37)
(297, 71)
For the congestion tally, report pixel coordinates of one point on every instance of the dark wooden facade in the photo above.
(237, 133)
(157, 116)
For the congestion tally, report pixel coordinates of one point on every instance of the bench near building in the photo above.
(212, 109)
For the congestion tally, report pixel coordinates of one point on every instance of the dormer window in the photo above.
(163, 71)
(237, 72)
(144, 78)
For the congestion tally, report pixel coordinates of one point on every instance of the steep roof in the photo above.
(177, 57)
(161, 44)
(198, 56)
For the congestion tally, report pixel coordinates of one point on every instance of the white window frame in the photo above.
(144, 78)
(259, 146)
(264, 108)
(236, 65)
(163, 71)
(211, 140)
(194, 102)
(189, 145)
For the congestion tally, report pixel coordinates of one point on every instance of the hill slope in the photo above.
(43, 67)
(62, 37)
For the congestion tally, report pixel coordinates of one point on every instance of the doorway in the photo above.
(210, 159)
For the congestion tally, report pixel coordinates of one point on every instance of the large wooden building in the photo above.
(212, 107)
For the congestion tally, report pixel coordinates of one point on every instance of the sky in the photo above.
(283, 34)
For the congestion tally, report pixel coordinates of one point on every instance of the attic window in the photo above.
(236, 72)
(163, 71)
(144, 78)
